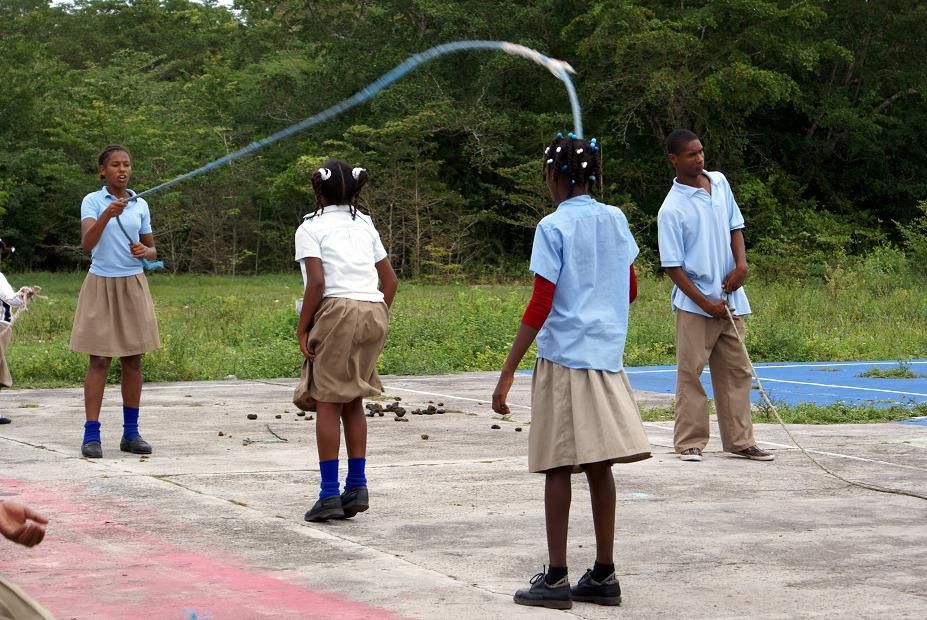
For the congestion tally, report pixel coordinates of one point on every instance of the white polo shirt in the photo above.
(348, 247)
(694, 232)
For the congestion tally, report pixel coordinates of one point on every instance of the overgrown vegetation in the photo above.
(901, 371)
(815, 109)
(213, 326)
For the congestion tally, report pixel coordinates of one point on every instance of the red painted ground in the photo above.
(95, 565)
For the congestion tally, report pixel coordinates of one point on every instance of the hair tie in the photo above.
(356, 172)
(325, 173)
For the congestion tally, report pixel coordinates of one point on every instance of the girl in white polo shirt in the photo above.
(349, 286)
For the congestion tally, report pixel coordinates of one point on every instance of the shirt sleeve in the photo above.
(7, 293)
(89, 208)
(307, 245)
(547, 254)
(145, 227)
(670, 239)
(379, 252)
(737, 218)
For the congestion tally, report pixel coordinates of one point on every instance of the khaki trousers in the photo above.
(701, 339)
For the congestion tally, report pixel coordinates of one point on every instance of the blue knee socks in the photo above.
(329, 471)
(356, 477)
(91, 431)
(130, 422)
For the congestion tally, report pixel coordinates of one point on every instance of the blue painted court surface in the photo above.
(822, 383)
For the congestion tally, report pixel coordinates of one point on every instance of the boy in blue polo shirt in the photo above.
(700, 233)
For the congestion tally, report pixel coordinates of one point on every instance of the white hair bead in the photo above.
(558, 149)
(585, 163)
(550, 161)
(578, 151)
(356, 172)
(325, 173)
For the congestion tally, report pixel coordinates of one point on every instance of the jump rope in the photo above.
(561, 70)
(772, 407)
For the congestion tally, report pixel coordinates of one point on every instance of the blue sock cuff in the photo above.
(130, 422)
(356, 474)
(92, 431)
(329, 485)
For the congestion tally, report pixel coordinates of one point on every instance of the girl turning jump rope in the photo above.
(342, 328)
(115, 315)
(583, 414)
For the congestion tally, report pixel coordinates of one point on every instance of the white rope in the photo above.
(772, 407)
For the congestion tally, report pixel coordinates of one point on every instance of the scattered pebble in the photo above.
(380, 413)
(252, 416)
(400, 412)
(310, 418)
(188, 395)
(221, 434)
(300, 413)
(370, 414)
(495, 426)
(440, 404)
(231, 377)
(424, 436)
(397, 398)
(440, 411)
(517, 429)
(278, 416)
(398, 419)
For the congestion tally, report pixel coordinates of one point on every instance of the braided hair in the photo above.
(580, 160)
(109, 150)
(339, 184)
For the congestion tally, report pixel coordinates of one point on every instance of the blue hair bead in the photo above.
(592, 178)
(564, 168)
(559, 134)
(571, 136)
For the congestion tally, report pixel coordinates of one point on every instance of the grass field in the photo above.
(212, 327)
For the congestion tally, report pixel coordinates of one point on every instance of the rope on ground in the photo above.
(772, 407)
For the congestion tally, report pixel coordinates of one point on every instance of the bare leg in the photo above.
(602, 493)
(131, 380)
(355, 428)
(94, 383)
(328, 430)
(557, 497)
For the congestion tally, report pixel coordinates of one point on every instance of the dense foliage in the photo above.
(815, 109)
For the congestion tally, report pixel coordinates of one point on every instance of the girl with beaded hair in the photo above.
(583, 414)
(349, 287)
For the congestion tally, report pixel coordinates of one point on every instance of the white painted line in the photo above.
(450, 397)
(797, 365)
(812, 450)
(843, 387)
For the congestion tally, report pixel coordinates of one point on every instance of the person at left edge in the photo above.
(9, 299)
(115, 314)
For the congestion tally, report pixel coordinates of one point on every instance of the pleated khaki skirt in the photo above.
(6, 334)
(581, 416)
(115, 317)
(347, 337)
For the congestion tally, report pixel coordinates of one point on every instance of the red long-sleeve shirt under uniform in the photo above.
(542, 300)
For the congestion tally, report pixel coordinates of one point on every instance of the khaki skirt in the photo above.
(115, 317)
(347, 337)
(581, 416)
(6, 333)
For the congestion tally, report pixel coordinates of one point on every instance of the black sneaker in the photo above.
(354, 501)
(136, 445)
(605, 592)
(540, 594)
(92, 450)
(326, 508)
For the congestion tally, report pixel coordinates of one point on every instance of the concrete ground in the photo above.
(211, 525)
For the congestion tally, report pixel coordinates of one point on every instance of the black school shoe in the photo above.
(92, 450)
(326, 508)
(136, 445)
(605, 592)
(540, 594)
(4, 420)
(354, 501)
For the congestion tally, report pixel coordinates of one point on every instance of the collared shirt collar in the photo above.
(688, 190)
(106, 193)
(576, 200)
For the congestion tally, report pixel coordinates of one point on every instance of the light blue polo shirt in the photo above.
(586, 249)
(111, 257)
(694, 232)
